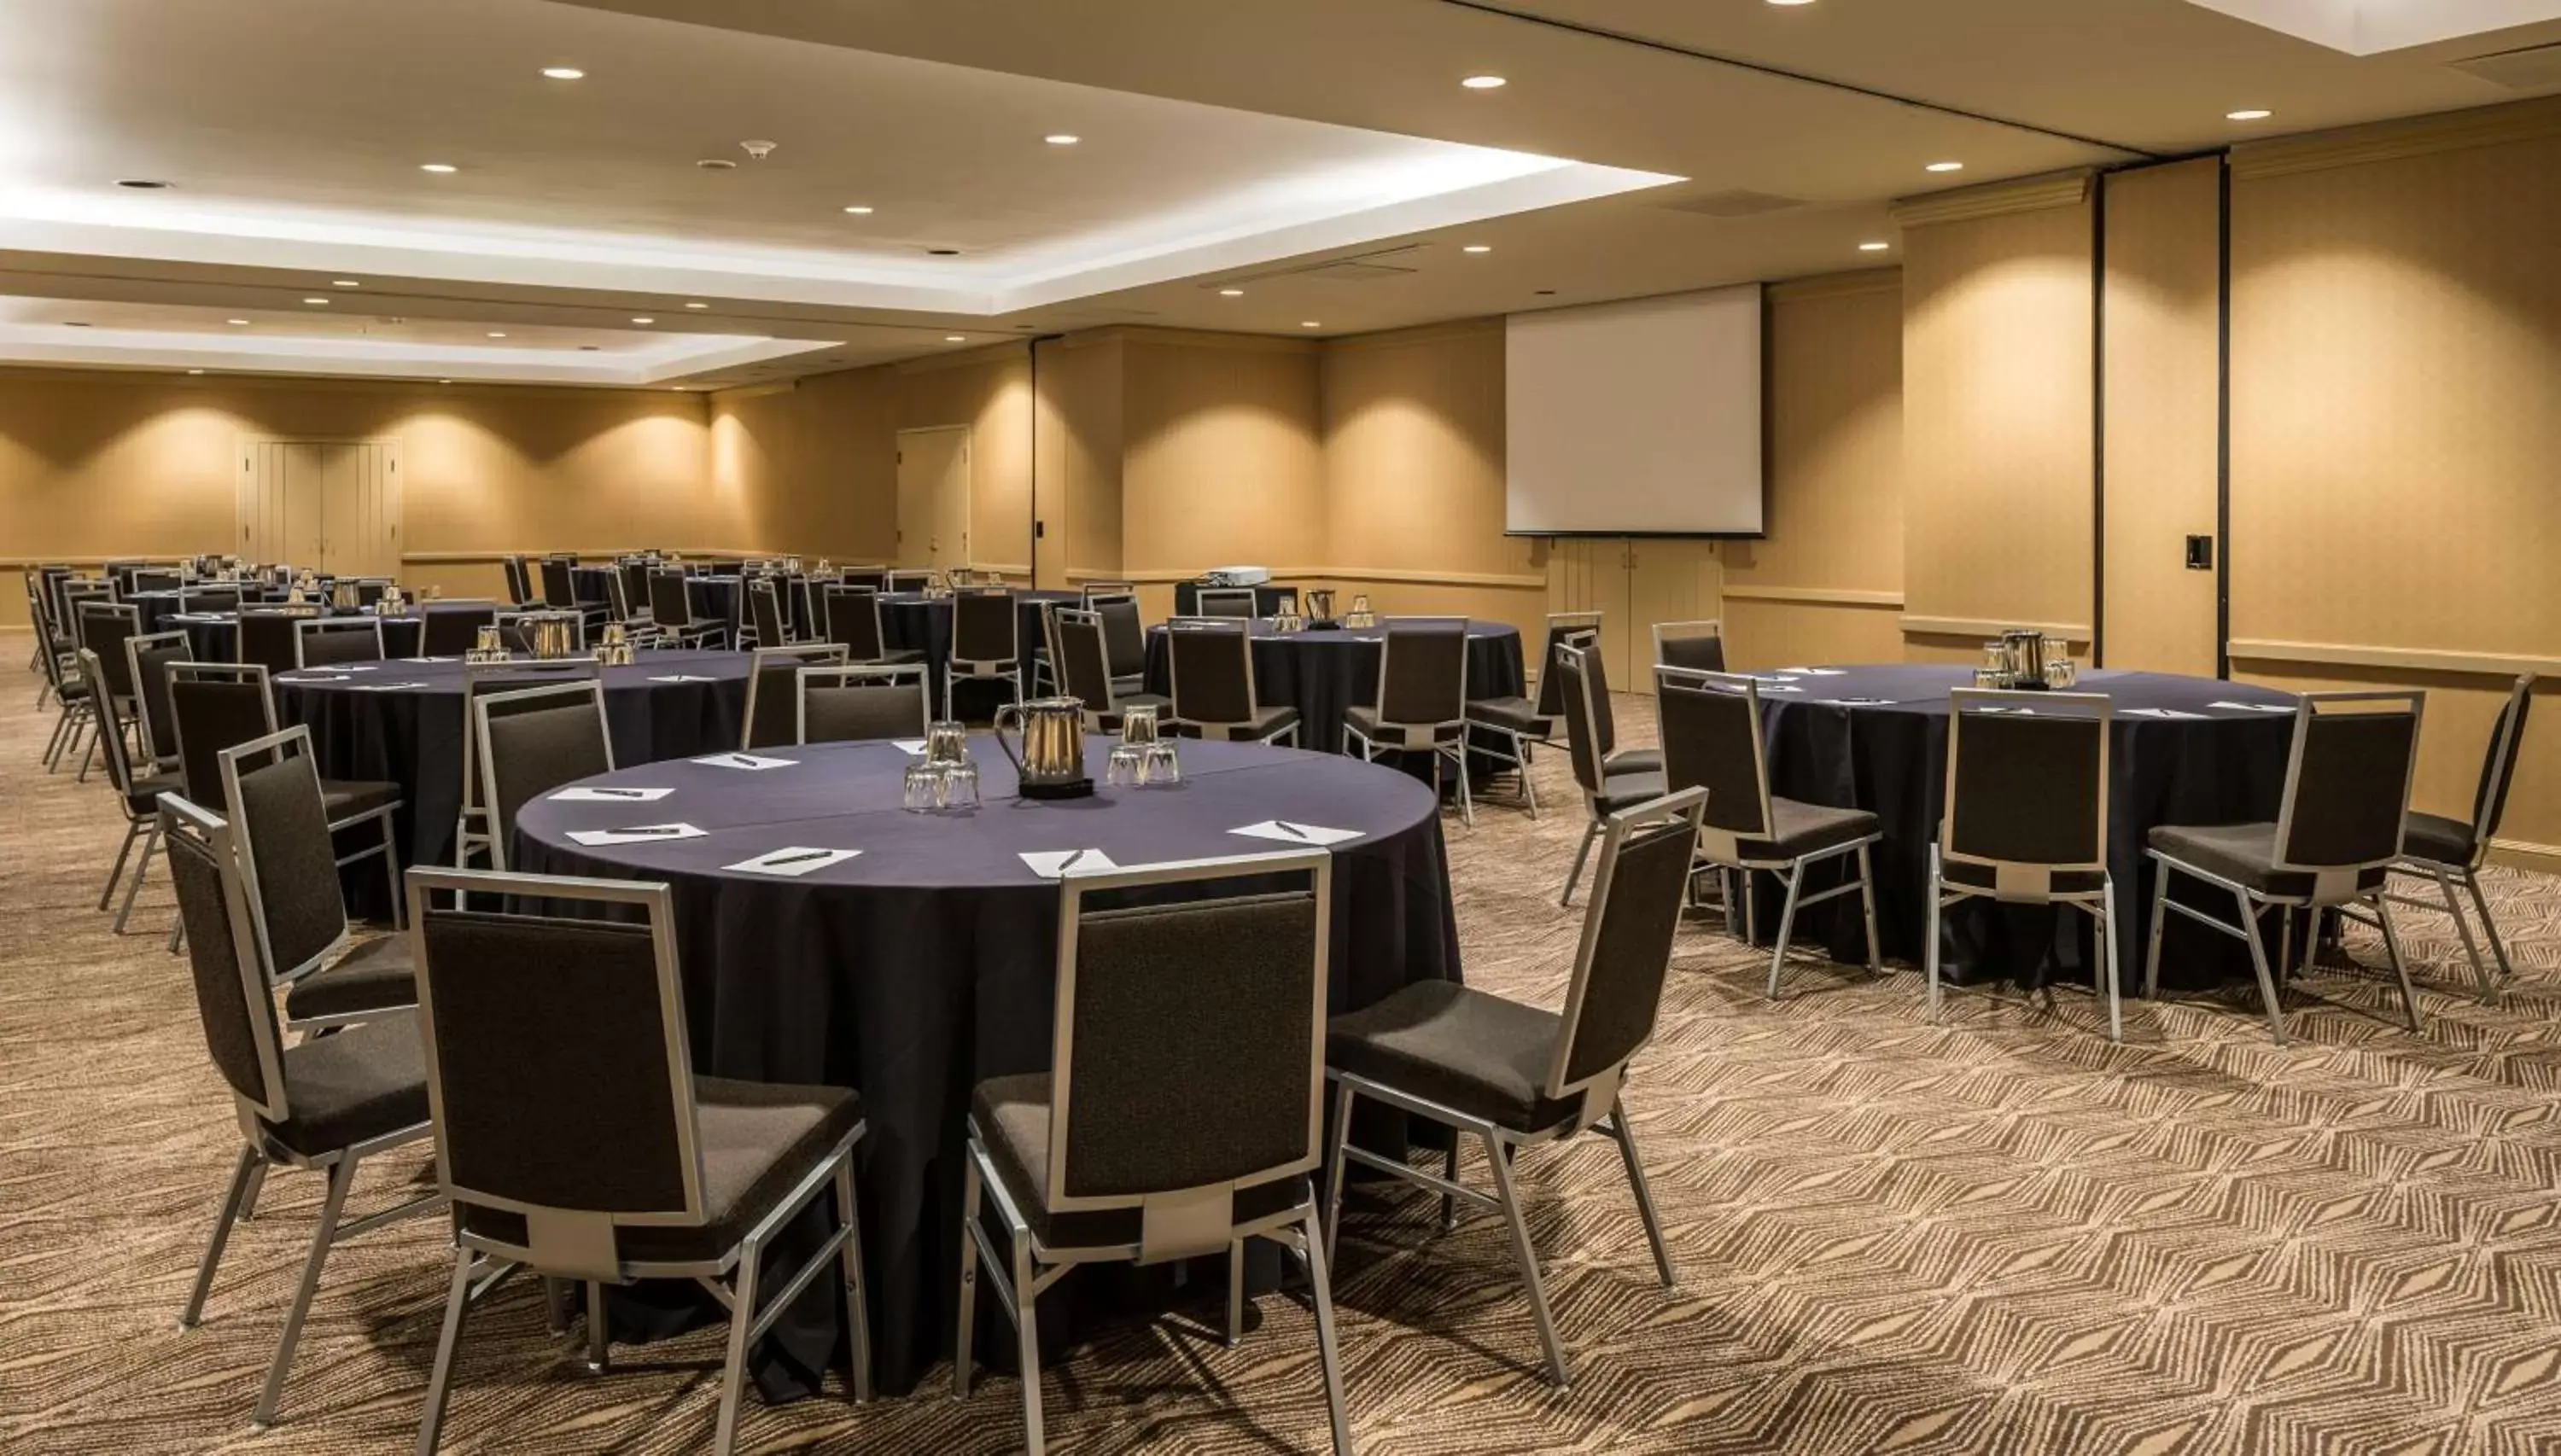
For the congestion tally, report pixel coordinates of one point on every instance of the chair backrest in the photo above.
(147, 660)
(896, 580)
(1124, 637)
(232, 999)
(773, 693)
(1175, 1126)
(1224, 601)
(1084, 660)
(451, 628)
(1213, 672)
(667, 605)
(1605, 717)
(110, 729)
(634, 578)
(984, 627)
(481, 679)
(103, 630)
(269, 639)
(2498, 765)
(1423, 672)
(850, 704)
(765, 610)
(215, 705)
(2027, 785)
(558, 1067)
(1579, 629)
(372, 590)
(854, 622)
(69, 593)
(520, 580)
(209, 599)
(1711, 730)
(2347, 783)
(560, 589)
(1093, 590)
(870, 578)
(322, 641)
(530, 740)
(1568, 664)
(288, 872)
(1696, 645)
(154, 579)
(1625, 948)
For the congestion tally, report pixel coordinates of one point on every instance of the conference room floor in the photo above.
(2000, 1234)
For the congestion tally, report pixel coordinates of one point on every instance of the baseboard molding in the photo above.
(1286, 574)
(1813, 595)
(2419, 659)
(492, 558)
(2519, 854)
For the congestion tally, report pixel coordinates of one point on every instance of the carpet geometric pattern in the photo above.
(1999, 1233)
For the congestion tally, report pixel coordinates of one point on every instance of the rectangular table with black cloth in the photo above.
(215, 636)
(1269, 597)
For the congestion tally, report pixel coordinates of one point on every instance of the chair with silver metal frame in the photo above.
(856, 704)
(520, 581)
(325, 1104)
(909, 582)
(452, 628)
(137, 794)
(268, 637)
(1212, 668)
(575, 1141)
(1085, 657)
(1522, 723)
(1698, 646)
(986, 643)
(1516, 1075)
(1605, 791)
(73, 711)
(279, 836)
(220, 598)
(471, 822)
(773, 692)
(1422, 701)
(1224, 601)
(854, 623)
(1132, 1148)
(559, 582)
(147, 659)
(532, 741)
(104, 628)
(870, 578)
(633, 574)
(2337, 836)
(765, 614)
(1098, 587)
(671, 611)
(2027, 819)
(1124, 641)
(223, 705)
(329, 641)
(2451, 850)
(1711, 730)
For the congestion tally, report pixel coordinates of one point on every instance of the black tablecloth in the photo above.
(1267, 599)
(1827, 747)
(926, 964)
(413, 735)
(1322, 673)
(215, 636)
(914, 621)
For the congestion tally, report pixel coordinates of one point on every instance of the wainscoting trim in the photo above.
(1287, 574)
(1987, 627)
(2421, 659)
(1813, 595)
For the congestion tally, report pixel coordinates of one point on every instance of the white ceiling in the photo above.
(1236, 143)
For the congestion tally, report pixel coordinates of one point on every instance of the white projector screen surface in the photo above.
(1636, 419)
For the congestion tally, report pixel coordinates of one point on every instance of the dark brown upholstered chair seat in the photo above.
(375, 976)
(144, 796)
(359, 1084)
(1267, 719)
(1518, 714)
(1013, 1114)
(758, 1140)
(1633, 761)
(340, 797)
(2438, 838)
(1366, 723)
(1627, 790)
(2245, 853)
(1805, 829)
(1462, 1047)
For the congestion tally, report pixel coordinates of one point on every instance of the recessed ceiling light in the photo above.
(1946, 167)
(1791, 2)
(497, 333)
(1485, 83)
(194, 370)
(955, 338)
(344, 283)
(240, 322)
(1230, 294)
(679, 388)
(564, 73)
(435, 166)
(444, 381)
(1062, 139)
(860, 211)
(716, 164)
(141, 184)
(1874, 247)
(1477, 248)
(644, 320)
(2249, 113)
(1309, 324)
(696, 303)
(315, 300)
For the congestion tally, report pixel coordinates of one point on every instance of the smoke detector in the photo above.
(757, 149)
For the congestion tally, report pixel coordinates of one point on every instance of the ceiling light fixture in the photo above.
(1230, 294)
(444, 381)
(644, 320)
(1791, 2)
(1485, 83)
(1309, 324)
(1874, 247)
(564, 73)
(316, 301)
(344, 283)
(696, 303)
(955, 338)
(1477, 248)
(860, 211)
(436, 167)
(141, 184)
(497, 333)
(194, 370)
(2249, 113)
(238, 322)
(716, 164)
(1945, 167)
(1062, 139)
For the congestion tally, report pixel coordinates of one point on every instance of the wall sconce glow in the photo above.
(1485, 83)
(440, 168)
(2249, 113)
(1946, 167)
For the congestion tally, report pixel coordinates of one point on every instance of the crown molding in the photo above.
(1996, 198)
(2388, 141)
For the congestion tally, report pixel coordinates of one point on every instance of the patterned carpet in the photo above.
(1996, 1235)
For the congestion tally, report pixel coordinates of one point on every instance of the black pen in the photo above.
(1284, 827)
(655, 829)
(796, 858)
(1069, 862)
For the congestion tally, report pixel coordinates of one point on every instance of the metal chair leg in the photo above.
(742, 1316)
(2489, 927)
(1235, 1293)
(2108, 957)
(1581, 852)
(249, 1200)
(1450, 1202)
(858, 1324)
(1466, 796)
(1786, 925)
(1321, 1288)
(1930, 959)
(1867, 905)
(2400, 967)
(133, 887)
(1529, 1263)
(439, 1381)
(963, 1360)
(341, 1177)
(1625, 1137)
(250, 1163)
(2257, 963)
(2152, 951)
(1342, 1128)
(115, 871)
(2463, 928)
(1027, 1339)
(599, 1341)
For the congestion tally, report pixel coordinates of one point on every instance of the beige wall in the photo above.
(1221, 463)
(990, 392)
(813, 467)
(1082, 388)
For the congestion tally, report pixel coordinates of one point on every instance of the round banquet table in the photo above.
(925, 965)
(401, 721)
(2183, 751)
(215, 636)
(916, 622)
(1326, 671)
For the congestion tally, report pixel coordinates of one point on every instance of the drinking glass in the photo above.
(1138, 724)
(922, 790)
(485, 640)
(1161, 766)
(960, 786)
(1126, 768)
(946, 743)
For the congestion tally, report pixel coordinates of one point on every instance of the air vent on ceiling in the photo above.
(1735, 202)
(2534, 68)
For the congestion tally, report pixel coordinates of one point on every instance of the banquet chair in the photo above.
(559, 587)
(1522, 723)
(225, 598)
(1516, 1075)
(1124, 641)
(772, 691)
(1136, 1147)
(370, 591)
(2338, 832)
(520, 581)
(575, 1140)
(268, 637)
(869, 579)
(223, 705)
(32, 577)
(471, 822)
(1422, 701)
(2026, 819)
(1605, 791)
(907, 581)
(1699, 646)
(280, 842)
(986, 643)
(671, 611)
(532, 741)
(2451, 850)
(325, 1104)
(147, 660)
(1605, 714)
(153, 578)
(1212, 665)
(765, 614)
(1086, 665)
(633, 576)
(452, 628)
(854, 623)
(843, 705)
(1096, 588)
(1711, 730)
(137, 794)
(1224, 601)
(104, 628)
(329, 641)
(75, 712)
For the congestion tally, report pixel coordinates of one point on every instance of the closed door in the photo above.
(933, 497)
(329, 505)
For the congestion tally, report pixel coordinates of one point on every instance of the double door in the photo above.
(1634, 582)
(333, 506)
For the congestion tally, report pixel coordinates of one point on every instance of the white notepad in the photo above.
(386, 687)
(636, 834)
(589, 795)
(1816, 672)
(682, 678)
(1291, 832)
(2158, 713)
(910, 745)
(2255, 707)
(745, 760)
(792, 861)
(1053, 864)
